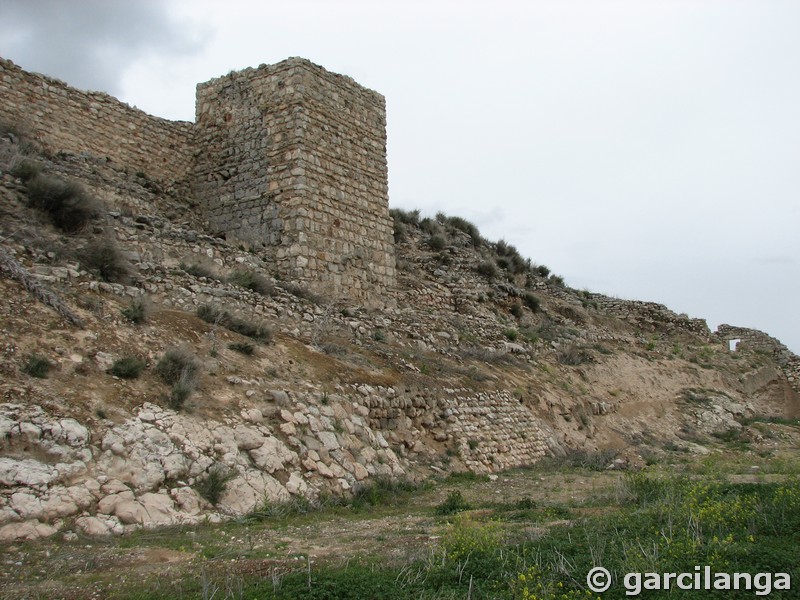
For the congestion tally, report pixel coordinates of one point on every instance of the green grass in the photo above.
(520, 547)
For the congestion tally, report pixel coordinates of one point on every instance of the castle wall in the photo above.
(64, 119)
(757, 341)
(294, 161)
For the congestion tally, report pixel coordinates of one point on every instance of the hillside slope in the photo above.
(483, 362)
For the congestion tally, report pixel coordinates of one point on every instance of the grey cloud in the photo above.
(89, 43)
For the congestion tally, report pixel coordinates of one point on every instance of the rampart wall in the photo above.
(294, 161)
(288, 157)
(64, 119)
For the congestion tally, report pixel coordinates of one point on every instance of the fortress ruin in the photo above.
(288, 158)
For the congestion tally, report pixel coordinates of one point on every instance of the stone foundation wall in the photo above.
(489, 431)
(294, 162)
(64, 119)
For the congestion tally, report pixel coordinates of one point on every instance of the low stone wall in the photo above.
(650, 315)
(64, 119)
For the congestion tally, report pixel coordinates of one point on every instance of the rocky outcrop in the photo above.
(141, 472)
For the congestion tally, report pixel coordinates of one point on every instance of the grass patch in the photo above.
(578, 459)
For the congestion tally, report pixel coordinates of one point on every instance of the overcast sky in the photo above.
(646, 149)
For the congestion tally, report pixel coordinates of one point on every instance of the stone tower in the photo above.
(292, 159)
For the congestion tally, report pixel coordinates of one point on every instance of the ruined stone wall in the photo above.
(64, 119)
(758, 341)
(650, 315)
(489, 431)
(294, 161)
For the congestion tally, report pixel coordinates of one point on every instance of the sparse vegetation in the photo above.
(37, 366)
(137, 311)
(179, 368)
(437, 243)
(67, 204)
(488, 269)
(217, 316)
(251, 281)
(128, 367)
(105, 259)
(454, 503)
(532, 301)
(573, 355)
(198, 270)
(212, 486)
(245, 348)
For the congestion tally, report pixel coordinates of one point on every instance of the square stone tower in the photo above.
(292, 159)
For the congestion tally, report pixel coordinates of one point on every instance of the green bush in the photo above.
(516, 310)
(242, 347)
(217, 316)
(437, 243)
(197, 270)
(37, 366)
(137, 311)
(212, 486)
(301, 292)
(178, 365)
(454, 503)
(251, 281)
(399, 232)
(431, 226)
(105, 259)
(532, 302)
(127, 368)
(461, 224)
(511, 334)
(407, 217)
(26, 170)
(180, 392)
(488, 269)
(67, 204)
(573, 355)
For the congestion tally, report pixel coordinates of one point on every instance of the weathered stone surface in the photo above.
(30, 530)
(92, 526)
